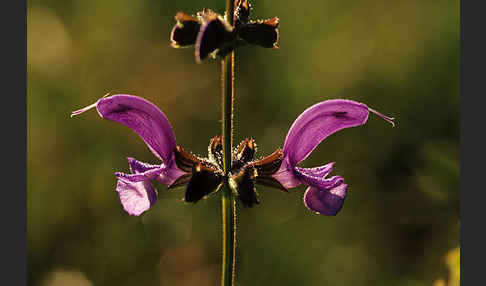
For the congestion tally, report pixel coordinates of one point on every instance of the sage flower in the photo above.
(323, 195)
(279, 170)
(178, 167)
(214, 36)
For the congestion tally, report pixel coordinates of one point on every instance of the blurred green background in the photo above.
(401, 215)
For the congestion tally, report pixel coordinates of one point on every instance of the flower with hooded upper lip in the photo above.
(200, 175)
(323, 195)
(204, 176)
(214, 36)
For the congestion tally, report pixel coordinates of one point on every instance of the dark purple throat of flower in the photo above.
(203, 176)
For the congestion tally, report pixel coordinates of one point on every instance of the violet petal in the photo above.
(318, 122)
(325, 201)
(144, 118)
(137, 197)
(141, 171)
(170, 174)
(285, 175)
(319, 182)
(140, 177)
(141, 116)
(320, 172)
(140, 167)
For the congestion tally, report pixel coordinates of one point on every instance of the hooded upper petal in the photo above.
(144, 118)
(319, 121)
(141, 116)
(327, 201)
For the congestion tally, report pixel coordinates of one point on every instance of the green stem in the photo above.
(228, 202)
(229, 236)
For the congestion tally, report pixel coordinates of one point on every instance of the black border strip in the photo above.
(473, 159)
(13, 213)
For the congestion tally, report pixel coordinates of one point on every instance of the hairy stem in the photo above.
(228, 202)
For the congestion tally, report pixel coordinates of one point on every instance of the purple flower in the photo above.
(323, 195)
(135, 191)
(279, 170)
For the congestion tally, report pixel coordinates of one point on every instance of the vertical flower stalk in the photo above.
(228, 202)
(235, 171)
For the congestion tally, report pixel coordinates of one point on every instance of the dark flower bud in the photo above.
(247, 150)
(185, 31)
(181, 181)
(270, 181)
(184, 160)
(215, 36)
(215, 150)
(244, 185)
(270, 164)
(204, 181)
(244, 153)
(261, 33)
(242, 12)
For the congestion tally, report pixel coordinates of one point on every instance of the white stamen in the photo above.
(77, 112)
(387, 118)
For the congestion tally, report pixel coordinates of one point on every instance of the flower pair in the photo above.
(214, 36)
(204, 176)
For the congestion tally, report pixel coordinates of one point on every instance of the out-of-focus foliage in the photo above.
(453, 262)
(402, 211)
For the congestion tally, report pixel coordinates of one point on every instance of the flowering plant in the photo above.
(204, 176)
(233, 170)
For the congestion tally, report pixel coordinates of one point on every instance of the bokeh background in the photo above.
(401, 216)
